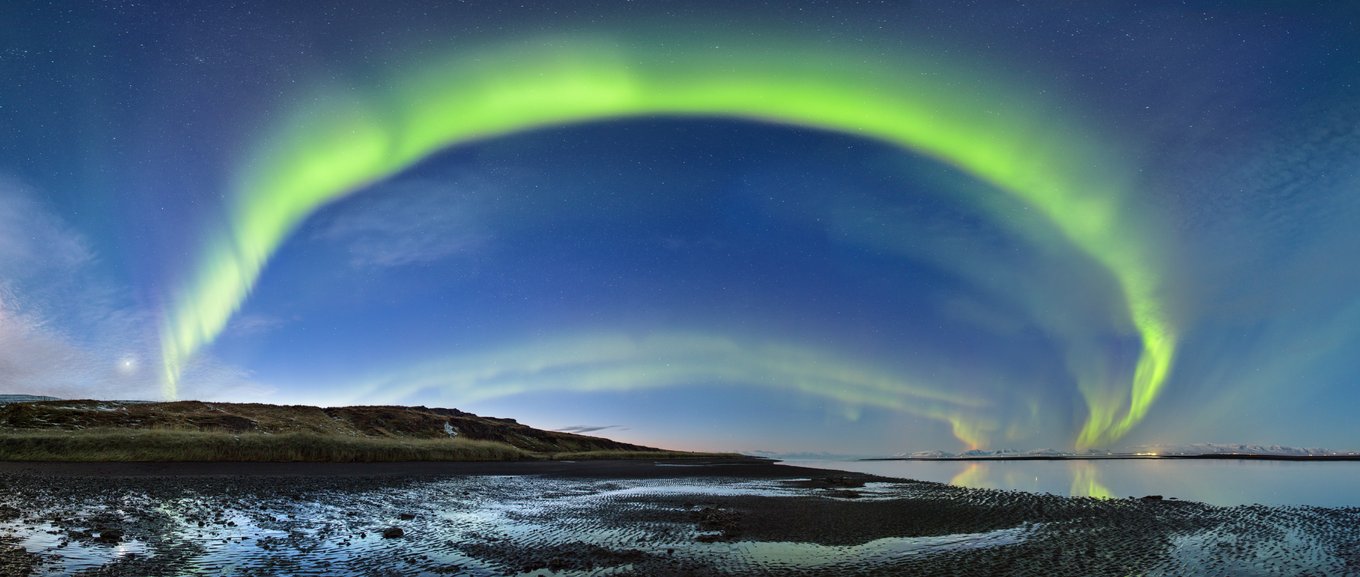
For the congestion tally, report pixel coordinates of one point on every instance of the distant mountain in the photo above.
(7, 399)
(988, 454)
(1190, 450)
(1238, 449)
(928, 455)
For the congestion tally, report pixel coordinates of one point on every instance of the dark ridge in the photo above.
(91, 430)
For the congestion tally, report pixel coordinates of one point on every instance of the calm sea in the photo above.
(1218, 482)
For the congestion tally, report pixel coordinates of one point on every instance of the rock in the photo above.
(110, 536)
(1152, 498)
(725, 522)
(393, 533)
(406, 516)
(835, 482)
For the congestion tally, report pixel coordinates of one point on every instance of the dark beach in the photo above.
(733, 517)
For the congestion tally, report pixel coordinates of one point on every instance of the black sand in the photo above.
(620, 518)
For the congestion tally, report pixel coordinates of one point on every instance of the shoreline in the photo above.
(743, 467)
(1209, 456)
(659, 517)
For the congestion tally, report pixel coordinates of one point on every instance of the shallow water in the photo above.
(66, 557)
(785, 555)
(541, 526)
(463, 526)
(1217, 482)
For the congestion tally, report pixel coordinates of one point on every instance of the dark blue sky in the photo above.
(708, 281)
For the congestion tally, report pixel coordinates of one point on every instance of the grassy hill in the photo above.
(196, 431)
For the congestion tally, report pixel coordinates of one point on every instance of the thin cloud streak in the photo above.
(406, 223)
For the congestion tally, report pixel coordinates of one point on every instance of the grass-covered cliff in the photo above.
(197, 431)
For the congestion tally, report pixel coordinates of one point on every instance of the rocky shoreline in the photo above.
(621, 518)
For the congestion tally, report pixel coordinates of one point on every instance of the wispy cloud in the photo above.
(406, 223)
(255, 324)
(32, 240)
(31, 357)
(67, 332)
(36, 250)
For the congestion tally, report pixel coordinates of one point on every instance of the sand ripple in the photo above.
(542, 525)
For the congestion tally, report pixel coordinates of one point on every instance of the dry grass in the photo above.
(85, 430)
(178, 445)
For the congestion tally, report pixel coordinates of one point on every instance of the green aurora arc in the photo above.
(344, 140)
(611, 361)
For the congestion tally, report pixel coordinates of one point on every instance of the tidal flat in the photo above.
(621, 518)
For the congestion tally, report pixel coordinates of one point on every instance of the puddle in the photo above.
(526, 525)
(1233, 553)
(65, 552)
(777, 556)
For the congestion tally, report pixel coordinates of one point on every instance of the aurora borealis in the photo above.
(847, 228)
(338, 150)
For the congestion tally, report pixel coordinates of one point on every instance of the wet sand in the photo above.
(621, 518)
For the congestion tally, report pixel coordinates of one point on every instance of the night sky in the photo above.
(862, 228)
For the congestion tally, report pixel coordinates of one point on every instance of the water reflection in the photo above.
(1086, 481)
(478, 526)
(988, 475)
(1217, 482)
(66, 553)
(973, 475)
(532, 526)
(880, 552)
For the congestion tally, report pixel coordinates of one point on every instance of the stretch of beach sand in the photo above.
(620, 518)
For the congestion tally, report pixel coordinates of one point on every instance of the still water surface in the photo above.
(1217, 482)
